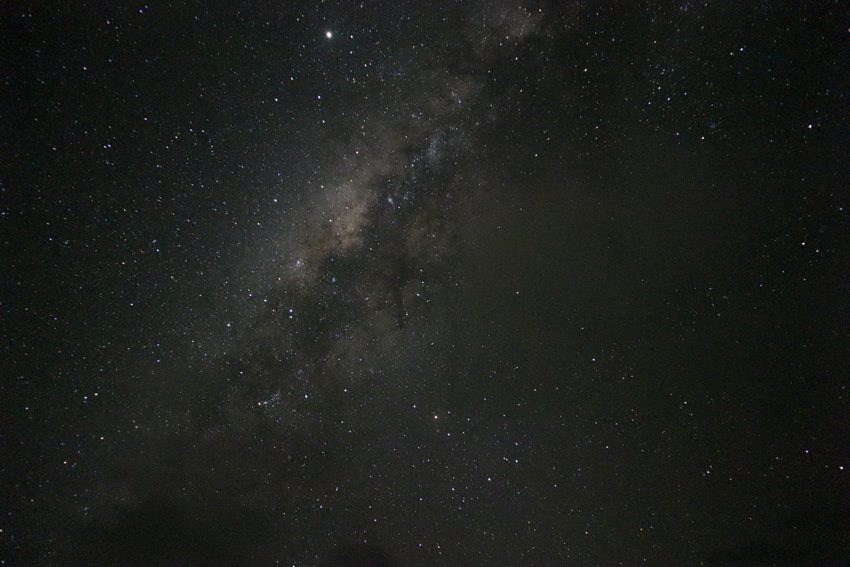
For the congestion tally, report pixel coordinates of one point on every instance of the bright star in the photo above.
(329, 34)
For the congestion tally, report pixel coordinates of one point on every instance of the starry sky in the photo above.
(425, 283)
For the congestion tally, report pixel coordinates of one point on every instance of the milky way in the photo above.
(414, 283)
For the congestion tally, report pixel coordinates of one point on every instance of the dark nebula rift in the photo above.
(414, 283)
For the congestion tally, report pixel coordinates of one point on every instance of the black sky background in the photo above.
(463, 283)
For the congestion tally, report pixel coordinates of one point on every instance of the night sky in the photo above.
(425, 283)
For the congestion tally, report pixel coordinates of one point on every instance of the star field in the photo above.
(413, 283)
